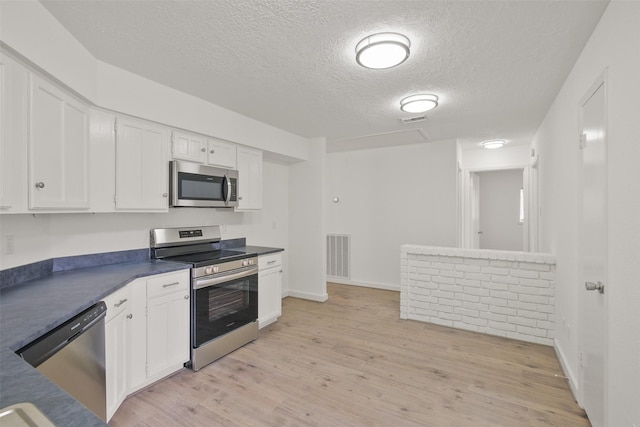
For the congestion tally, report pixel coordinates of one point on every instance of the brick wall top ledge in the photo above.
(540, 258)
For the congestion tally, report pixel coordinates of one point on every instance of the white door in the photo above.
(593, 243)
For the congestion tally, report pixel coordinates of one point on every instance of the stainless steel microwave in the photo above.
(200, 186)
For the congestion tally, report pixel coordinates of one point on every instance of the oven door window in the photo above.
(193, 186)
(221, 308)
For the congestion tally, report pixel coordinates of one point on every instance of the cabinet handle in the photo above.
(212, 151)
(240, 198)
(164, 194)
(186, 297)
(170, 284)
(280, 271)
(40, 184)
(122, 301)
(129, 316)
(271, 262)
(203, 149)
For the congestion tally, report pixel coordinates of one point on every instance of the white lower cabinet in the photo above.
(117, 343)
(167, 323)
(269, 288)
(146, 334)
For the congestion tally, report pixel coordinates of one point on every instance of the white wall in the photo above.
(389, 197)
(615, 45)
(506, 157)
(307, 276)
(500, 210)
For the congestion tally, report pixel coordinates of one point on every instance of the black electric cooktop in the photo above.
(210, 258)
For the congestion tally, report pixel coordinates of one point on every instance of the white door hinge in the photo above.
(115, 125)
(583, 141)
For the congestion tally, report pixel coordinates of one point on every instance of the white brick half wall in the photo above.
(509, 294)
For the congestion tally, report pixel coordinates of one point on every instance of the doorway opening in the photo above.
(498, 208)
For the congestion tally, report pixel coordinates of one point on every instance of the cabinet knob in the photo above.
(186, 297)
(164, 194)
(129, 316)
(40, 184)
(203, 149)
(239, 197)
(212, 151)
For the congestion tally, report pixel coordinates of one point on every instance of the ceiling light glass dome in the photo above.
(493, 144)
(419, 103)
(382, 50)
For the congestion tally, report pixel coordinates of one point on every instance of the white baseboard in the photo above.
(385, 286)
(573, 382)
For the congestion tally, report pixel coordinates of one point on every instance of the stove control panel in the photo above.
(212, 269)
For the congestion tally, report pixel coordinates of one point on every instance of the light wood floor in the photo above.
(351, 361)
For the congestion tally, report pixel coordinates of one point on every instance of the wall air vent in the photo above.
(413, 119)
(338, 256)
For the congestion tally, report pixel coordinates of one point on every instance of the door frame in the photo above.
(600, 81)
(466, 237)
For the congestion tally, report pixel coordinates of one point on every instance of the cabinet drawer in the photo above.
(117, 302)
(167, 284)
(269, 261)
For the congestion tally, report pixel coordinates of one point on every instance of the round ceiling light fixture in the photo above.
(493, 144)
(418, 103)
(382, 50)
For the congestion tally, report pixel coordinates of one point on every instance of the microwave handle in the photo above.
(228, 195)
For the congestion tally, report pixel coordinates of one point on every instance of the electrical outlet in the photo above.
(9, 244)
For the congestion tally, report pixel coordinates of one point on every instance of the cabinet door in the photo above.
(58, 141)
(187, 146)
(102, 161)
(142, 166)
(117, 347)
(269, 290)
(250, 179)
(167, 332)
(221, 153)
(14, 89)
(117, 359)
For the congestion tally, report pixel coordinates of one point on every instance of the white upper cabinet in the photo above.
(250, 179)
(14, 87)
(221, 153)
(142, 168)
(58, 149)
(189, 146)
(102, 160)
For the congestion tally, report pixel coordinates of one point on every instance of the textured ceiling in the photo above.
(496, 65)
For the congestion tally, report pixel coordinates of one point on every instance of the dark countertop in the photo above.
(32, 308)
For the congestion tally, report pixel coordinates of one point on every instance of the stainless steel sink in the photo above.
(23, 414)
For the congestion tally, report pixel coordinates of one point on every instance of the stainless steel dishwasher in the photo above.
(72, 356)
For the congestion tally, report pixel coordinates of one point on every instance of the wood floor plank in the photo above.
(351, 362)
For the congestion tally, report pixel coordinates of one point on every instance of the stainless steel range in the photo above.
(224, 289)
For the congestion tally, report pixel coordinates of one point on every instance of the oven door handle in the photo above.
(203, 283)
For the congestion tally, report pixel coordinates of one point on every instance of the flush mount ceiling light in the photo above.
(382, 50)
(493, 144)
(418, 103)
